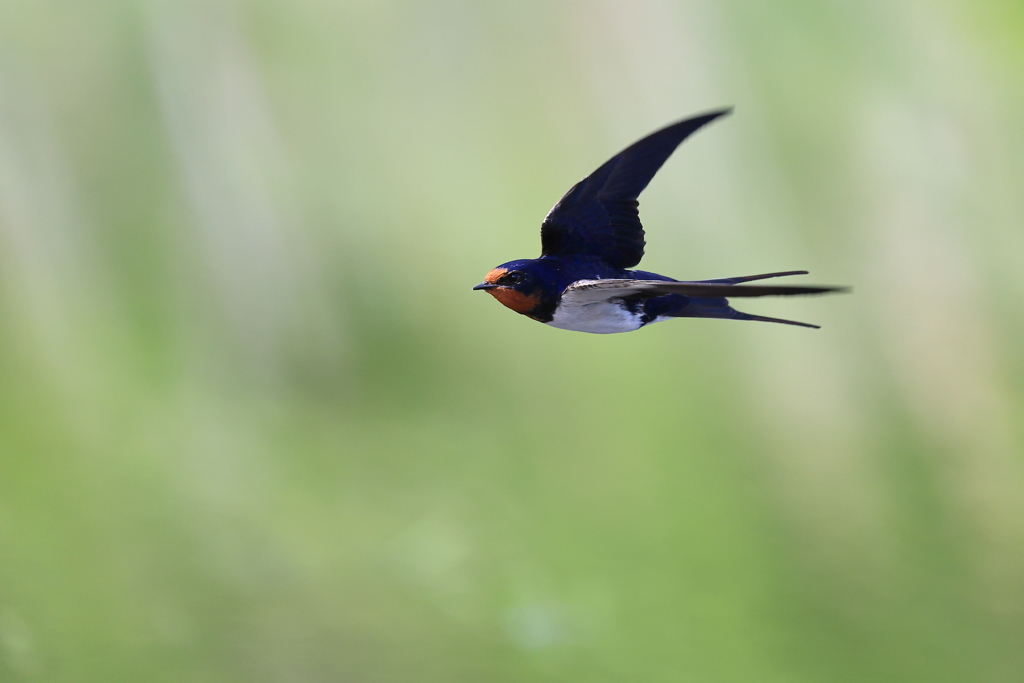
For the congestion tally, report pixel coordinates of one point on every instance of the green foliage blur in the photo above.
(255, 425)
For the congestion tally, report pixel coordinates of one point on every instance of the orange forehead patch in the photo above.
(495, 275)
(517, 301)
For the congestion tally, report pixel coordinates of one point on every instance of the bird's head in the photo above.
(519, 285)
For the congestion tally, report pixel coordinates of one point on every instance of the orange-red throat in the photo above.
(510, 298)
(517, 301)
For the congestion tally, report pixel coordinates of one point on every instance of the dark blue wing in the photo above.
(598, 216)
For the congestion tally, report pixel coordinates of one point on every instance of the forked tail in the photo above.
(715, 304)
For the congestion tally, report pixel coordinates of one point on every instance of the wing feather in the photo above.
(585, 292)
(599, 216)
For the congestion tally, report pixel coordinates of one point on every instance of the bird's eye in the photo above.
(513, 278)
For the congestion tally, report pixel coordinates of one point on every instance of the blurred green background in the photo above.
(255, 426)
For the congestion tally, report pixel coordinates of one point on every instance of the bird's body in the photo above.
(593, 235)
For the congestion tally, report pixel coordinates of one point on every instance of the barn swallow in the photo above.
(593, 234)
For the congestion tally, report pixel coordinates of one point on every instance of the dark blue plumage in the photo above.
(599, 216)
(593, 234)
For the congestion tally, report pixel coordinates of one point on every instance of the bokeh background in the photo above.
(255, 426)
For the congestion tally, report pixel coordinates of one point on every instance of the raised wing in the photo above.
(598, 216)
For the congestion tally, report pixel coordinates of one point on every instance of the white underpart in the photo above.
(596, 306)
(603, 317)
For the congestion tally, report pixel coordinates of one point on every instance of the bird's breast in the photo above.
(603, 317)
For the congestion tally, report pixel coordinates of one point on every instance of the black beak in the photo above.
(486, 285)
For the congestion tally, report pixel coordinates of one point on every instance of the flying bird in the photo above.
(593, 235)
